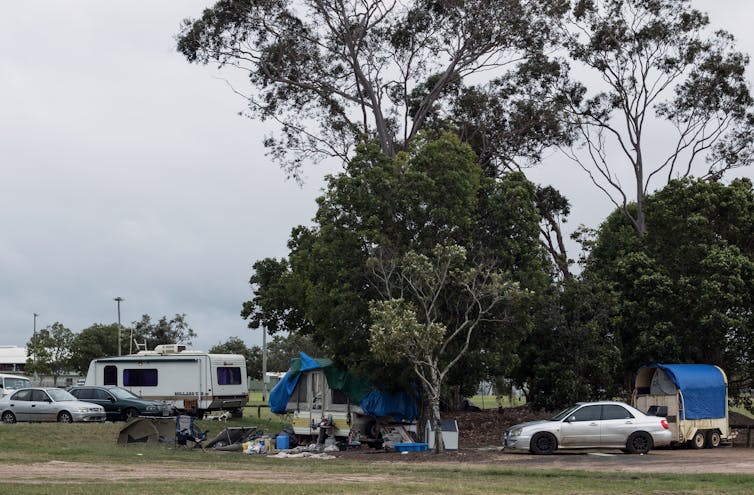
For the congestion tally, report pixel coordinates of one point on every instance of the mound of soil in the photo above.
(485, 428)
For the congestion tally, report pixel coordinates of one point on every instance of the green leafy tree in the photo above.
(381, 208)
(50, 351)
(685, 292)
(173, 331)
(282, 349)
(336, 74)
(94, 342)
(656, 57)
(253, 355)
(415, 325)
(572, 354)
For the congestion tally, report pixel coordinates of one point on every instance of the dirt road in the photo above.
(723, 460)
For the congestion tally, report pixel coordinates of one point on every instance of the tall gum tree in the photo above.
(663, 70)
(335, 73)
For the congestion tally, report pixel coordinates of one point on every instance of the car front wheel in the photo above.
(543, 443)
(130, 414)
(9, 417)
(639, 443)
(65, 417)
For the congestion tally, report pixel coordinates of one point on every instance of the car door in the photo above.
(617, 424)
(107, 401)
(582, 428)
(41, 407)
(20, 405)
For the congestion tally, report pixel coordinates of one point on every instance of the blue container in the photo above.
(410, 447)
(282, 442)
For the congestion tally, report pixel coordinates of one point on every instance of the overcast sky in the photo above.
(126, 171)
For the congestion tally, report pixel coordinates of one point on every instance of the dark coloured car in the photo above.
(121, 404)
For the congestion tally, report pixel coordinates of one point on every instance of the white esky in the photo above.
(126, 171)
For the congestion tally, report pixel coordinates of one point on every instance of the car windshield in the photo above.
(122, 393)
(564, 413)
(59, 395)
(15, 383)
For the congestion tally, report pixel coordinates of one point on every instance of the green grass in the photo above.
(24, 444)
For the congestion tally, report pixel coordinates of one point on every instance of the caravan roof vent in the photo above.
(170, 348)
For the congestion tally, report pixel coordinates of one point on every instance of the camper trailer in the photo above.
(193, 381)
(325, 401)
(11, 383)
(692, 397)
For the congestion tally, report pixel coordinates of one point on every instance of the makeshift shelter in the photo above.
(322, 395)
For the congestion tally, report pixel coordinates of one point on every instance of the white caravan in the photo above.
(193, 381)
(11, 383)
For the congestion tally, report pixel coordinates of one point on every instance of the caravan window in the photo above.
(140, 377)
(111, 375)
(229, 376)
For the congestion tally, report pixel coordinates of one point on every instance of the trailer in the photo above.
(192, 381)
(692, 397)
(325, 401)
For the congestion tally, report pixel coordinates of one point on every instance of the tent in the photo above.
(401, 406)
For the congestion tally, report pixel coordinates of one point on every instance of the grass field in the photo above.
(74, 448)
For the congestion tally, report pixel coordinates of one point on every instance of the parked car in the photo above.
(47, 404)
(121, 404)
(591, 425)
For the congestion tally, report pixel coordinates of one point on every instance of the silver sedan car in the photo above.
(47, 404)
(591, 425)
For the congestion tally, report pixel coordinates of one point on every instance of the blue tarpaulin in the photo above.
(401, 406)
(703, 388)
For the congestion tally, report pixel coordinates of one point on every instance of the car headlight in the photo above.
(152, 408)
(516, 432)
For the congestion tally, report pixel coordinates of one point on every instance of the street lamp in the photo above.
(118, 300)
(34, 341)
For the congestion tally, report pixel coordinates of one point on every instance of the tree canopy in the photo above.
(684, 293)
(335, 74)
(656, 57)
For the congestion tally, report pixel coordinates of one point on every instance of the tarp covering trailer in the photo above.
(693, 398)
(323, 398)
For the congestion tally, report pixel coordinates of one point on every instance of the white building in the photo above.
(12, 358)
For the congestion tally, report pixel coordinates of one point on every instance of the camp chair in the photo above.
(186, 431)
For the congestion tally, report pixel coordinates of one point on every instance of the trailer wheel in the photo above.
(713, 439)
(698, 441)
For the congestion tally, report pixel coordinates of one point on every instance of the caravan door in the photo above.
(316, 395)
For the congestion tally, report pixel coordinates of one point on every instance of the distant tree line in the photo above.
(56, 349)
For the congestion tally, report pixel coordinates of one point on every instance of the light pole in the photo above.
(34, 341)
(118, 300)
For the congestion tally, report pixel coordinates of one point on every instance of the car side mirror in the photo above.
(570, 419)
(111, 399)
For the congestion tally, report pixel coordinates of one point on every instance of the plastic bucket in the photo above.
(282, 442)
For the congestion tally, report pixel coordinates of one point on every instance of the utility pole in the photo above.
(118, 300)
(265, 378)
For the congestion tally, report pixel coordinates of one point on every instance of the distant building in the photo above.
(12, 358)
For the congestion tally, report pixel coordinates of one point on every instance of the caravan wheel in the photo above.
(698, 441)
(713, 439)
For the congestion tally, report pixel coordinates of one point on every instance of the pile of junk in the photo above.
(181, 431)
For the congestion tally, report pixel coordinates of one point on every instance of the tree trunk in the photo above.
(435, 408)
